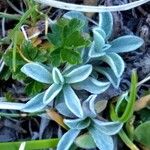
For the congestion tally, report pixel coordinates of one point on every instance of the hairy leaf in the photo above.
(35, 104)
(51, 93)
(67, 139)
(106, 23)
(102, 141)
(57, 76)
(92, 85)
(109, 74)
(78, 74)
(115, 62)
(77, 123)
(89, 106)
(125, 44)
(96, 49)
(108, 128)
(72, 101)
(37, 72)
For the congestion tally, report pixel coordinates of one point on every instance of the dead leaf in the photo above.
(46, 45)
(142, 103)
(36, 42)
(56, 117)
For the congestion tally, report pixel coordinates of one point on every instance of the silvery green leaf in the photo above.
(92, 85)
(78, 74)
(89, 106)
(100, 31)
(102, 141)
(115, 62)
(72, 101)
(37, 72)
(108, 128)
(57, 76)
(77, 15)
(68, 68)
(77, 123)
(99, 41)
(85, 141)
(67, 139)
(106, 23)
(110, 75)
(125, 44)
(96, 49)
(35, 104)
(63, 109)
(51, 93)
(94, 74)
(85, 55)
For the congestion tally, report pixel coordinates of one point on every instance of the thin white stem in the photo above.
(3, 25)
(14, 7)
(144, 80)
(24, 32)
(86, 8)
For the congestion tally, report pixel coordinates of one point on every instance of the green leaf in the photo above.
(29, 51)
(9, 96)
(8, 59)
(70, 56)
(18, 75)
(131, 101)
(85, 141)
(33, 53)
(75, 40)
(5, 73)
(55, 58)
(73, 25)
(33, 88)
(33, 144)
(144, 115)
(129, 109)
(56, 36)
(66, 36)
(142, 134)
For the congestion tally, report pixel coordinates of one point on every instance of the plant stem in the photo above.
(30, 145)
(14, 51)
(14, 33)
(144, 80)
(23, 57)
(10, 16)
(127, 141)
(16, 115)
